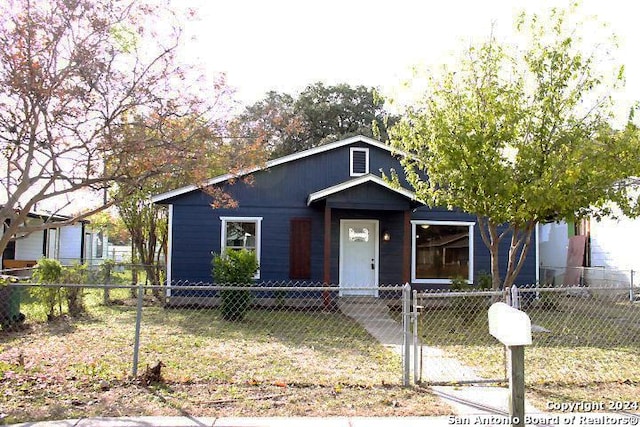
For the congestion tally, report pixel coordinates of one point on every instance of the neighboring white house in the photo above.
(74, 243)
(611, 251)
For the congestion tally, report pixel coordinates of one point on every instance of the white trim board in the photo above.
(416, 222)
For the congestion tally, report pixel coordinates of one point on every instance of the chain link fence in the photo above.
(582, 336)
(598, 277)
(454, 340)
(292, 344)
(215, 346)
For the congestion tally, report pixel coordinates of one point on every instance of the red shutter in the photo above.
(300, 249)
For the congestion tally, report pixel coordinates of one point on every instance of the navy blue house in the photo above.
(326, 215)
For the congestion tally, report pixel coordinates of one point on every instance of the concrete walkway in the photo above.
(438, 367)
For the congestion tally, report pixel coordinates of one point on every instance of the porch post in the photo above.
(326, 296)
(406, 248)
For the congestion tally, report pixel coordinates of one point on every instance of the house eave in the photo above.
(369, 178)
(160, 198)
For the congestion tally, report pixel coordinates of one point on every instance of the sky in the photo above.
(286, 45)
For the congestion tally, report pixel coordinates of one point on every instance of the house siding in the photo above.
(70, 243)
(30, 247)
(280, 193)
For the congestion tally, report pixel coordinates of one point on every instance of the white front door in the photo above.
(359, 257)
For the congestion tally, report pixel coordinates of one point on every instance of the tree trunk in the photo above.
(520, 244)
(491, 238)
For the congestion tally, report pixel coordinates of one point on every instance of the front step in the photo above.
(359, 299)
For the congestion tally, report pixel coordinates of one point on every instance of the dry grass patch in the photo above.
(273, 363)
(218, 400)
(585, 344)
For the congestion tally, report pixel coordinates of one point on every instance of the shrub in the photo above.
(234, 268)
(469, 308)
(75, 274)
(48, 271)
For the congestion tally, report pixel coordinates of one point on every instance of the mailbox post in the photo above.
(512, 328)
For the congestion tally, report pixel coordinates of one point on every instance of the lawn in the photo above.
(274, 363)
(585, 347)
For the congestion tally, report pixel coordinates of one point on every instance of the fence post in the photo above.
(515, 297)
(136, 343)
(632, 296)
(406, 333)
(107, 281)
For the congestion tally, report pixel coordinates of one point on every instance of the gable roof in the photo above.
(52, 217)
(326, 192)
(159, 198)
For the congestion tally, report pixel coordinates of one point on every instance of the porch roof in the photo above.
(359, 181)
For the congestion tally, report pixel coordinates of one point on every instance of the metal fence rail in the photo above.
(235, 334)
(244, 342)
(596, 277)
(581, 335)
(454, 340)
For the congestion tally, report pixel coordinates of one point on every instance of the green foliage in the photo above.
(459, 283)
(519, 137)
(147, 225)
(105, 271)
(483, 281)
(319, 114)
(5, 280)
(74, 296)
(112, 225)
(49, 272)
(234, 268)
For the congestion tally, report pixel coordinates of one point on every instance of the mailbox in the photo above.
(510, 326)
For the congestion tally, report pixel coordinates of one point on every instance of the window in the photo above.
(241, 233)
(358, 234)
(359, 161)
(441, 250)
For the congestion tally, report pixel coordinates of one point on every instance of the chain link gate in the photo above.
(451, 338)
(578, 332)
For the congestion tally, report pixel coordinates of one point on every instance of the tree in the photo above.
(111, 225)
(320, 114)
(73, 75)
(147, 224)
(206, 154)
(518, 138)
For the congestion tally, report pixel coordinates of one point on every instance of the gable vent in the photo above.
(359, 161)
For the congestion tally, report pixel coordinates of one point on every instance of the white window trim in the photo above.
(223, 234)
(414, 224)
(366, 157)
